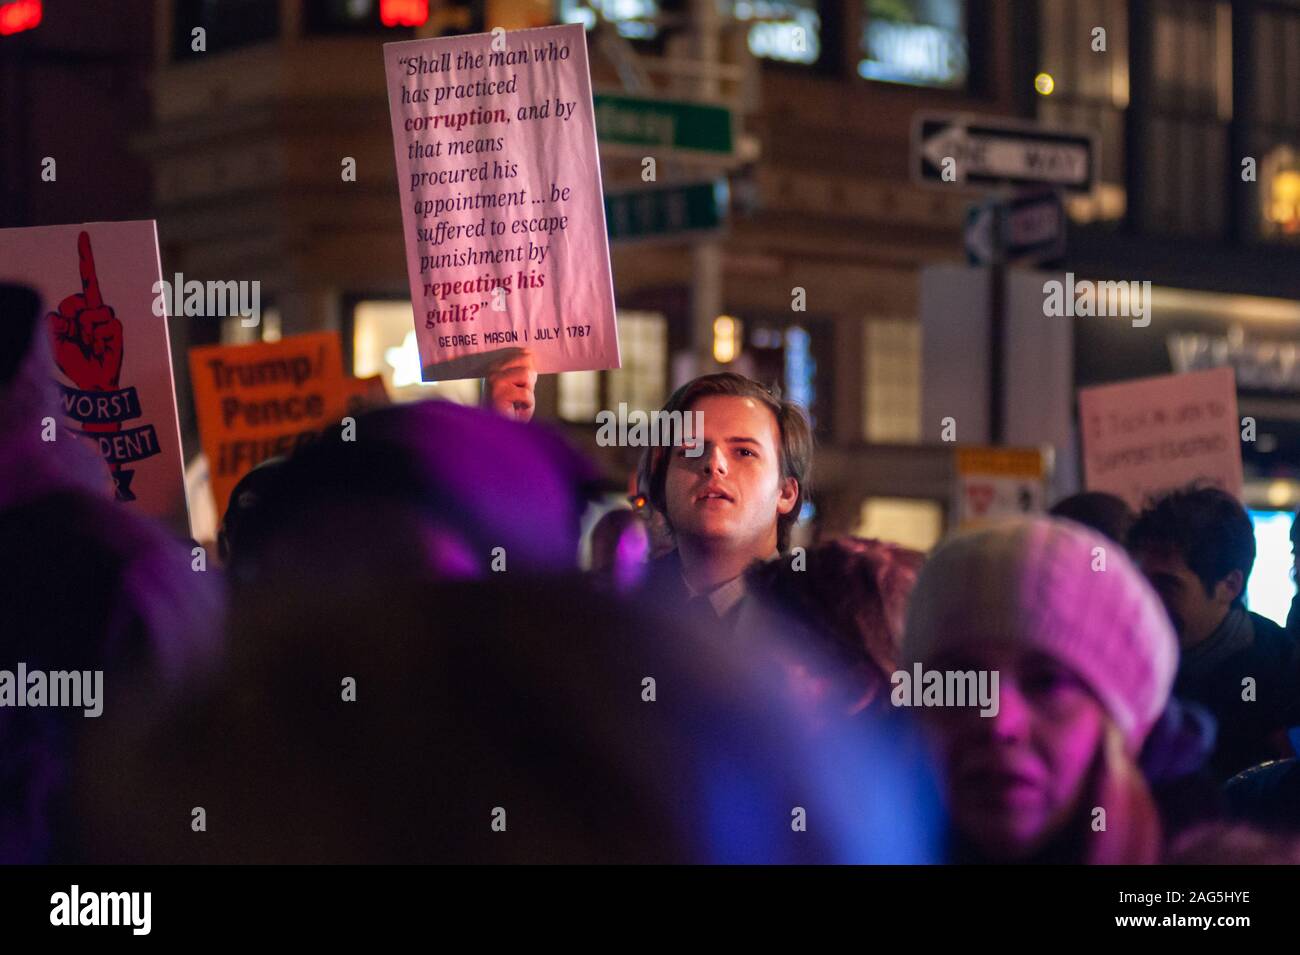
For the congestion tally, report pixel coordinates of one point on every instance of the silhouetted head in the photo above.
(32, 463)
(620, 542)
(844, 599)
(1104, 513)
(244, 507)
(1197, 547)
(449, 490)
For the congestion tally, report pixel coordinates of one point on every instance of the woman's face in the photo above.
(1016, 779)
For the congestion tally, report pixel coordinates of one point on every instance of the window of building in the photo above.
(271, 325)
(642, 382)
(1085, 88)
(1273, 137)
(800, 372)
(578, 396)
(787, 31)
(643, 343)
(892, 396)
(1278, 215)
(236, 331)
(1184, 148)
(227, 25)
(634, 19)
(1275, 67)
(1193, 58)
(912, 522)
(383, 343)
(916, 42)
(796, 357)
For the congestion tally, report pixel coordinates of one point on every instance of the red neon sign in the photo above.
(20, 16)
(404, 13)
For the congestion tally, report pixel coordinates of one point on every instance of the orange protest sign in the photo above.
(369, 393)
(260, 401)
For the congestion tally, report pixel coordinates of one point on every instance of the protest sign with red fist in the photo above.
(120, 399)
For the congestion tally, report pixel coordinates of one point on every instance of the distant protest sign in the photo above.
(996, 483)
(261, 401)
(501, 198)
(1145, 437)
(112, 360)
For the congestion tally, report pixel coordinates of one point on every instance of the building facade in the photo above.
(814, 281)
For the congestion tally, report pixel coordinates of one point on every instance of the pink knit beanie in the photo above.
(1058, 587)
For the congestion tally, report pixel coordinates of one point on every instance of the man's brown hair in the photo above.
(795, 450)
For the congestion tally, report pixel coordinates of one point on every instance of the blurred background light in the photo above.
(726, 339)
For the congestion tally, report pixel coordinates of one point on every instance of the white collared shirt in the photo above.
(725, 596)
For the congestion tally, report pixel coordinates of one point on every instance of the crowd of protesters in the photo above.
(401, 659)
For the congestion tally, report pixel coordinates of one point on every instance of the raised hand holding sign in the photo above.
(510, 385)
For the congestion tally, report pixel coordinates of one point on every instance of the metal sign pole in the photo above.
(997, 322)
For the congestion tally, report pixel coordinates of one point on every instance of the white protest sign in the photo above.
(1145, 437)
(502, 204)
(111, 352)
(995, 483)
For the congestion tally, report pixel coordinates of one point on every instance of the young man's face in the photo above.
(732, 493)
(1194, 613)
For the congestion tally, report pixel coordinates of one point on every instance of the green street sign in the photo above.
(666, 211)
(666, 124)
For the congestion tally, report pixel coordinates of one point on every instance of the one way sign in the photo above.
(985, 151)
(1024, 229)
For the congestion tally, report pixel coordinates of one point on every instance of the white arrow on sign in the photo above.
(1004, 157)
(980, 241)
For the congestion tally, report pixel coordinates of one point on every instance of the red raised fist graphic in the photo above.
(86, 335)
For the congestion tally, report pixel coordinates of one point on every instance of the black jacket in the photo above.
(1213, 674)
(665, 585)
